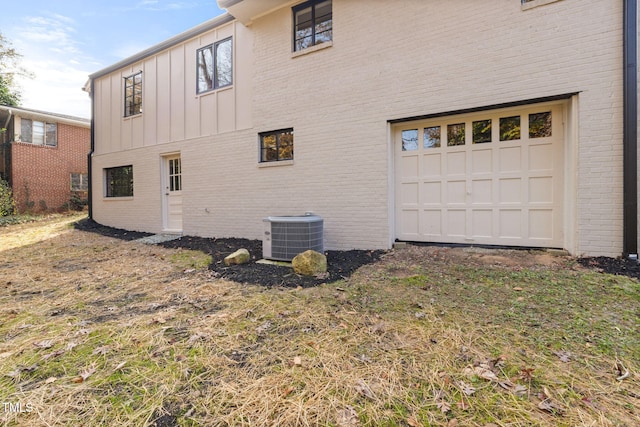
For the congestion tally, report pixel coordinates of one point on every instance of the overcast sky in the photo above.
(63, 41)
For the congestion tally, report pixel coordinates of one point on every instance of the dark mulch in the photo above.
(340, 264)
(619, 266)
(94, 227)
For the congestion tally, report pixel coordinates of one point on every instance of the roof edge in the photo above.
(60, 118)
(199, 29)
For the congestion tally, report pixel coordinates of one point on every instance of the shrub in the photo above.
(7, 203)
(77, 203)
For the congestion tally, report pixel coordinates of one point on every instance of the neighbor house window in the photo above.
(133, 94)
(119, 181)
(79, 182)
(215, 65)
(312, 24)
(39, 133)
(276, 145)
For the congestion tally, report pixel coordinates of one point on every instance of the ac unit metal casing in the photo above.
(287, 236)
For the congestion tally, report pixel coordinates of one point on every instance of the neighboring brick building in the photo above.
(43, 156)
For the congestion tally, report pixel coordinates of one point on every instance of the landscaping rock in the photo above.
(241, 256)
(309, 263)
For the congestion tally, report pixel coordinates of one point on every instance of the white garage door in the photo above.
(492, 178)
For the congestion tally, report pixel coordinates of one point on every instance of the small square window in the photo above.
(79, 182)
(410, 140)
(119, 181)
(431, 137)
(509, 128)
(312, 24)
(133, 94)
(455, 135)
(481, 131)
(276, 145)
(540, 125)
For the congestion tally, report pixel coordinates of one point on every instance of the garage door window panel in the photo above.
(540, 125)
(410, 140)
(431, 137)
(510, 128)
(455, 135)
(481, 131)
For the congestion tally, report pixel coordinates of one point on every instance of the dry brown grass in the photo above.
(96, 331)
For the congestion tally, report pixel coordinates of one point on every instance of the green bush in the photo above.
(7, 203)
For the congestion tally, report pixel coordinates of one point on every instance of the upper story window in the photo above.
(133, 94)
(39, 133)
(312, 24)
(215, 65)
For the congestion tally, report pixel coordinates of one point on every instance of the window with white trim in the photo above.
(39, 133)
(79, 182)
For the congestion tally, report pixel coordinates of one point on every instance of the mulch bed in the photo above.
(619, 266)
(340, 264)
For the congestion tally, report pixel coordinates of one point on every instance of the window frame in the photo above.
(215, 84)
(28, 137)
(277, 134)
(296, 9)
(130, 109)
(82, 178)
(121, 190)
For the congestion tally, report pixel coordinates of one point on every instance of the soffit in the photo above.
(246, 11)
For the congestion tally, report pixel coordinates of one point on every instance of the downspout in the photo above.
(6, 149)
(630, 132)
(90, 155)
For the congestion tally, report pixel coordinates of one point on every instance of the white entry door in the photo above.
(494, 177)
(172, 193)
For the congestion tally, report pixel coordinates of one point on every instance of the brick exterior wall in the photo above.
(41, 175)
(403, 59)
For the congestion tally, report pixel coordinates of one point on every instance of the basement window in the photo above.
(276, 145)
(119, 181)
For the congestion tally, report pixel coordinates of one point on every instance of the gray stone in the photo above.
(241, 256)
(309, 263)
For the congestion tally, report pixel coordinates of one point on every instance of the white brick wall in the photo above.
(391, 60)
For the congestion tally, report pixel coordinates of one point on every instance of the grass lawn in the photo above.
(95, 331)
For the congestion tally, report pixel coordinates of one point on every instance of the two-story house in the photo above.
(43, 156)
(501, 122)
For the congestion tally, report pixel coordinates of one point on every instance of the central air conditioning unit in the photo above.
(287, 236)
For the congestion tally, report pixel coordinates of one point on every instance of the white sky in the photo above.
(63, 41)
